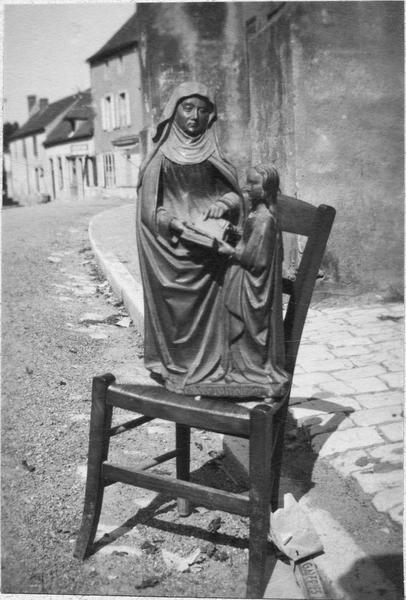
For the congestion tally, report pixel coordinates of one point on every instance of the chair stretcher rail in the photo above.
(200, 494)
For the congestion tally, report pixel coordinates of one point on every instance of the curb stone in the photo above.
(124, 285)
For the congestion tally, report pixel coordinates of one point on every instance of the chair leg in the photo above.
(260, 494)
(278, 433)
(100, 423)
(183, 464)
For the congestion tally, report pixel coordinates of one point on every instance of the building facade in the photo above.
(29, 165)
(52, 155)
(70, 153)
(118, 107)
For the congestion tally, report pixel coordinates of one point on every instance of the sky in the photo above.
(45, 47)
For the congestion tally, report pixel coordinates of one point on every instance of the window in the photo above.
(107, 113)
(72, 170)
(73, 124)
(60, 173)
(109, 170)
(51, 165)
(89, 172)
(123, 109)
(86, 171)
(34, 145)
(24, 152)
(37, 176)
(91, 161)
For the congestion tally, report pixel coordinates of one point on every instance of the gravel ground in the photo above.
(59, 331)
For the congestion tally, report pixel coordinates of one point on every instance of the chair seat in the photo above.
(215, 414)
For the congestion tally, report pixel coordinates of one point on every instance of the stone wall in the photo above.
(348, 80)
(316, 88)
(200, 42)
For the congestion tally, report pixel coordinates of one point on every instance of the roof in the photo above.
(82, 114)
(125, 38)
(38, 121)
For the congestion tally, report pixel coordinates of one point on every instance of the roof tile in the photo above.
(81, 111)
(42, 118)
(125, 37)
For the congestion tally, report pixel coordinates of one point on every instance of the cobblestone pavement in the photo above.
(348, 394)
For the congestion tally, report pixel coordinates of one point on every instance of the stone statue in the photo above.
(253, 294)
(185, 179)
(198, 336)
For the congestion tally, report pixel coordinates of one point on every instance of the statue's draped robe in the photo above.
(195, 340)
(253, 299)
(183, 284)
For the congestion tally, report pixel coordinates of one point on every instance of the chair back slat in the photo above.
(296, 216)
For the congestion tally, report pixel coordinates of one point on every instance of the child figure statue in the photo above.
(253, 294)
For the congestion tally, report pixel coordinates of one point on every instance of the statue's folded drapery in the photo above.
(183, 285)
(254, 303)
(195, 339)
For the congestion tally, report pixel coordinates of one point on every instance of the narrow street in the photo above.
(51, 350)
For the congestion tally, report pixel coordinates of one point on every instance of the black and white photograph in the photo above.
(203, 300)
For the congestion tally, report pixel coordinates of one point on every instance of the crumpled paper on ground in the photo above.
(180, 563)
(292, 531)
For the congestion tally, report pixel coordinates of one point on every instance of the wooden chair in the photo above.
(263, 425)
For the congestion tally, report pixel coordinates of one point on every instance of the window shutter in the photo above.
(112, 112)
(127, 108)
(118, 122)
(103, 114)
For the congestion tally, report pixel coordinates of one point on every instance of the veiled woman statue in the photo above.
(185, 181)
(186, 178)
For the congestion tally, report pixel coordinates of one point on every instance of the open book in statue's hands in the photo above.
(207, 232)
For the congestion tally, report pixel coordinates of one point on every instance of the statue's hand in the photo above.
(216, 210)
(176, 225)
(224, 248)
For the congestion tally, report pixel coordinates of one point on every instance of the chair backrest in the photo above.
(302, 218)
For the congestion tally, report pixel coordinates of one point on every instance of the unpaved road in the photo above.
(51, 350)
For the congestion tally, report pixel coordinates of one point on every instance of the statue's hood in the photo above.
(184, 90)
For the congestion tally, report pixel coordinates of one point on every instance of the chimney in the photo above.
(32, 101)
(43, 103)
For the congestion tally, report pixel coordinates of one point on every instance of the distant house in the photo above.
(8, 130)
(30, 177)
(119, 114)
(69, 149)
(7, 182)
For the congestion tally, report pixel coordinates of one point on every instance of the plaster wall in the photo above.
(326, 83)
(349, 69)
(202, 42)
(315, 88)
(28, 174)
